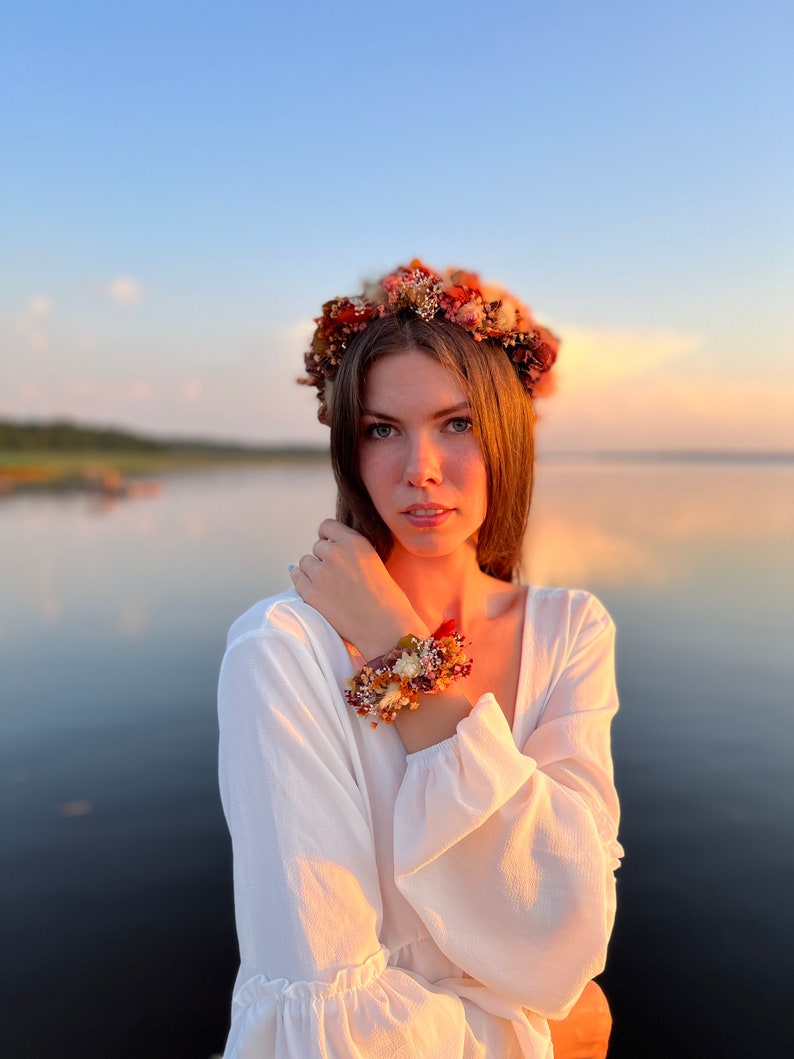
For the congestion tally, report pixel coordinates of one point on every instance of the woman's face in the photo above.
(419, 459)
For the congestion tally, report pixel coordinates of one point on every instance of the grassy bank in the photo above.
(103, 470)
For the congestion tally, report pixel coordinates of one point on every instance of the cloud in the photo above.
(191, 390)
(124, 290)
(141, 390)
(83, 387)
(682, 412)
(628, 389)
(30, 327)
(598, 358)
(36, 341)
(297, 333)
(40, 306)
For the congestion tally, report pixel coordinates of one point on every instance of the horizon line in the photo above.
(656, 454)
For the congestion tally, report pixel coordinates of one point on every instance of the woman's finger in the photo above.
(333, 530)
(322, 547)
(329, 529)
(308, 566)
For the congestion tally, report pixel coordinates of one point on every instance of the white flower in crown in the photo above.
(408, 666)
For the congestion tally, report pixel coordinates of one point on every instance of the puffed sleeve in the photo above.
(314, 978)
(508, 854)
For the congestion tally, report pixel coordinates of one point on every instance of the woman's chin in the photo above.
(432, 546)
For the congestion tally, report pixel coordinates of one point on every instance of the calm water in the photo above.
(115, 866)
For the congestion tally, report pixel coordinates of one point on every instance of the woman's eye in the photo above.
(379, 430)
(460, 426)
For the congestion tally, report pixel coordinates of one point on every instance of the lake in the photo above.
(115, 874)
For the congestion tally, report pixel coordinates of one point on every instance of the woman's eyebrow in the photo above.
(456, 409)
(377, 415)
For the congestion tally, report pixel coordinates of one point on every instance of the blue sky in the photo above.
(185, 184)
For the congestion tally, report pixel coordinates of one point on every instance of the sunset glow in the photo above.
(167, 248)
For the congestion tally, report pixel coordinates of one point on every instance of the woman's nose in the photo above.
(422, 464)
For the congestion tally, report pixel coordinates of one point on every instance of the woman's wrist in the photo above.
(378, 640)
(415, 667)
(437, 719)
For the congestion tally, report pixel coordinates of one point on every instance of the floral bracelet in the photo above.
(385, 685)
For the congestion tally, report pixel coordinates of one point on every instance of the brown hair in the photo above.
(503, 419)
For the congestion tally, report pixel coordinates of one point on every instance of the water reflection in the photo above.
(115, 859)
(222, 537)
(232, 534)
(618, 524)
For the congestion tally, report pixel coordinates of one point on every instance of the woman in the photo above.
(423, 817)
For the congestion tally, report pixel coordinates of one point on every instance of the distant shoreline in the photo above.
(59, 454)
(104, 471)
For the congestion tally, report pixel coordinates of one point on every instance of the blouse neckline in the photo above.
(523, 665)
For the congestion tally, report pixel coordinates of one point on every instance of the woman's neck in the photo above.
(450, 586)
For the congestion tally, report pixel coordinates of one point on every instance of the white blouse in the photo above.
(443, 903)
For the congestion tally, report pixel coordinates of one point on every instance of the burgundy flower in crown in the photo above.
(488, 312)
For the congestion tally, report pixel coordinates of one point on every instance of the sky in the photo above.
(184, 185)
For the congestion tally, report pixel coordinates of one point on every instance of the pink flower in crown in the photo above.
(471, 314)
(462, 305)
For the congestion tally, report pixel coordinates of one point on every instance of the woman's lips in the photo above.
(427, 515)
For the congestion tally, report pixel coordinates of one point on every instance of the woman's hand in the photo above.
(346, 581)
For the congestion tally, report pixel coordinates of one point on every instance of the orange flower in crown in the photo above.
(488, 312)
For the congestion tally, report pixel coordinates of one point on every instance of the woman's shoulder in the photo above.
(565, 610)
(285, 613)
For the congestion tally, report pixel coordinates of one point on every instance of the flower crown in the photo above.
(487, 312)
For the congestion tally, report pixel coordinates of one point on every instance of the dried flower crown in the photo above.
(487, 312)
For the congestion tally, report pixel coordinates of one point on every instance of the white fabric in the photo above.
(443, 903)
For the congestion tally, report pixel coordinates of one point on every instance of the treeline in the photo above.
(62, 436)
